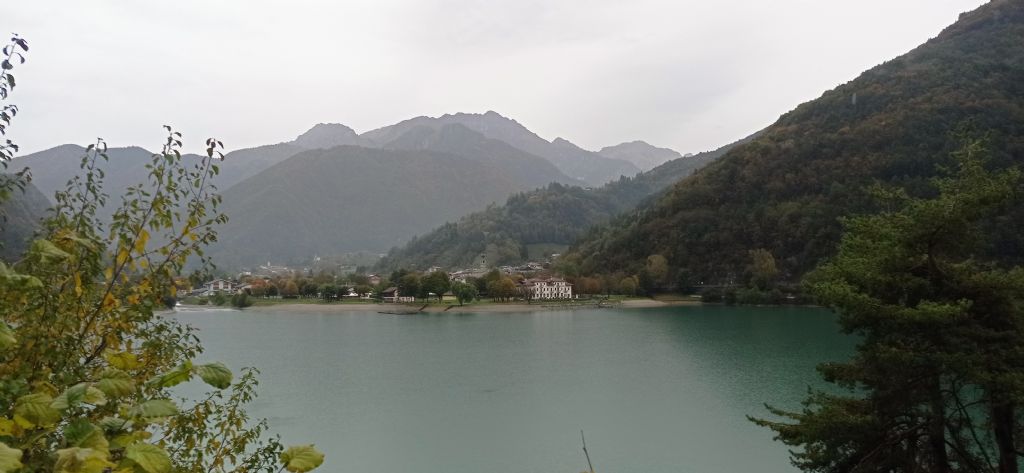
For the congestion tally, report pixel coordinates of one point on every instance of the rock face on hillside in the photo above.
(786, 190)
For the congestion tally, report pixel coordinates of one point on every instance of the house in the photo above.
(218, 286)
(551, 288)
(374, 279)
(391, 295)
(449, 297)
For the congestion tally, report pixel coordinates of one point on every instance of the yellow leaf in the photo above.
(123, 360)
(78, 284)
(122, 256)
(109, 273)
(6, 427)
(140, 243)
(109, 302)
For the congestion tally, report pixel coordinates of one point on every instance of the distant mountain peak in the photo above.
(559, 141)
(641, 153)
(327, 135)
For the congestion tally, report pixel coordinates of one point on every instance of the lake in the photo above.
(655, 390)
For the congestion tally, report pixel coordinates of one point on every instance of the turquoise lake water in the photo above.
(655, 390)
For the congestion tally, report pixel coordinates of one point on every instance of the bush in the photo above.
(240, 300)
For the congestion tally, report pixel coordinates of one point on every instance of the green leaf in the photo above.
(95, 396)
(215, 374)
(302, 458)
(71, 397)
(47, 252)
(7, 339)
(115, 383)
(154, 408)
(10, 458)
(36, 410)
(81, 433)
(178, 375)
(150, 458)
(78, 394)
(81, 460)
(10, 278)
(113, 424)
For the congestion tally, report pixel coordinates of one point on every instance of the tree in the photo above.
(657, 269)
(502, 289)
(289, 289)
(464, 292)
(762, 269)
(936, 382)
(409, 284)
(240, 300)
(85, 359)
(437, 282)
(13, 53)
(628, 286)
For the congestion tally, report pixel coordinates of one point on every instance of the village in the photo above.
(531, 281)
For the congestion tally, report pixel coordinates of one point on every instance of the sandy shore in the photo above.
(476, 308)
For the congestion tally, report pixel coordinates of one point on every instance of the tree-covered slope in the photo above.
(786, 190)
(552, 216)
(19, 219)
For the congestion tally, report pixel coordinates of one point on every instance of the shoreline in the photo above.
(511, 307)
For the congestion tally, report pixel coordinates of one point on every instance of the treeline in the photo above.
(787, 190)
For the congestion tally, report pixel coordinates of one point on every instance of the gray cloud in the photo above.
(686, 74)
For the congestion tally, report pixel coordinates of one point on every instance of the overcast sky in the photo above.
(690, 75)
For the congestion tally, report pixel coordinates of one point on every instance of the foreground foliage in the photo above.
(937, 383)
(87, 364)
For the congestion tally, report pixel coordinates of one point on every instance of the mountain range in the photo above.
(332, 190)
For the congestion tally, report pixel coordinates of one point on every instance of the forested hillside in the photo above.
(785, 191)
(20, 217)
(548, 218)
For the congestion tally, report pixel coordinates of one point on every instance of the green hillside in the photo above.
(786, 190)
(19, 219)
(552, 217)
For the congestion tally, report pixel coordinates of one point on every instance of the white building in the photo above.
(552, 288)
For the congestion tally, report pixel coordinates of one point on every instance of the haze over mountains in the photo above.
(332, 190)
